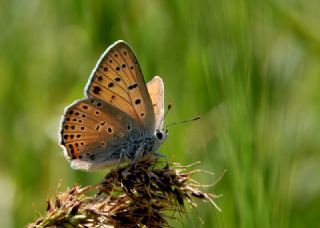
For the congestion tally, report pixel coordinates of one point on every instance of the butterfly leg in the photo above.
(138, 154)
(121, 158)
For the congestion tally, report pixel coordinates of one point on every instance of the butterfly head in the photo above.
(159, 137)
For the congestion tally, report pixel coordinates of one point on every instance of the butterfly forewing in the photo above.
(118, 80)
(156, 91)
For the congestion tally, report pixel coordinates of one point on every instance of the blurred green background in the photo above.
(250, 69)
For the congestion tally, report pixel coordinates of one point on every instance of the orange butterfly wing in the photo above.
(117, 79)
(156, 91)
(116, 116)
(93, 132)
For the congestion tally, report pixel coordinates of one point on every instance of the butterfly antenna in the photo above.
(182, 121)
(166, 113)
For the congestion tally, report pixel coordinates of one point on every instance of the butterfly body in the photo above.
(121, 117)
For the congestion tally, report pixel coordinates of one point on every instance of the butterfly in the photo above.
(120, 118)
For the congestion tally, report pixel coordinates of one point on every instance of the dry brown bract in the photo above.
(137, 195)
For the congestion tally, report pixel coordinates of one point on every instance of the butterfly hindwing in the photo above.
(91, 130)
(117, 79)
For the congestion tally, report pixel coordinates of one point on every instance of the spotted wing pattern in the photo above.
(117, 79)
(92, 131)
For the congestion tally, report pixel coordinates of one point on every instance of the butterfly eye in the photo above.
(159, 135)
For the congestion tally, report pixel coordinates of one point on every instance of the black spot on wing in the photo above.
(133, 86)
(137, 101)
(96, 90)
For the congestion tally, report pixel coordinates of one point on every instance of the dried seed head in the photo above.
(135, 195)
